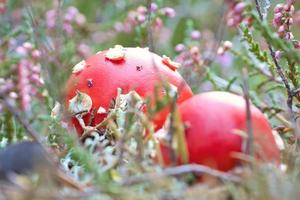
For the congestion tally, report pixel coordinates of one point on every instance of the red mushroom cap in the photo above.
(126, 68)
(213, 120)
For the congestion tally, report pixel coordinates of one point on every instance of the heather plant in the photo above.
(250, 48)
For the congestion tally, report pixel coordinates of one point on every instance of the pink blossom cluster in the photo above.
(227, 45)
(71, 17)
(188, 56)
(29, 74)
(139, 15)
(2, 6)
(236, 13)
(84, 50)
(195, 35)
(283, 19)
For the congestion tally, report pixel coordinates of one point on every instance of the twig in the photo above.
(180, 170)
(279, 70)
(249, 145)
(171, 129)
(149, 27)
(255, 67)
(219, 37)
(103, 123)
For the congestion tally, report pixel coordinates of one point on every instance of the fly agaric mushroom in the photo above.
(214, 125)
(137, 69)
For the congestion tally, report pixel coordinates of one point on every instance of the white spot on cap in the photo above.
(101, 110)
(78, 67)
(171, 64)
(115, 54)
(81, 102)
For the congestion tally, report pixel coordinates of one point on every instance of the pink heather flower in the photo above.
(289, 36)
(131, 17)
(220, 51)
(194, 51)
(51, 18)
(277, 20)
(278, 8)
(35, 78)
(68, 17)
(188, 57)
(230, 22)
(240, 7)
(153, 7)
(119, 27)
(281, 31)
(275, 23)
(13, 95)
(80, 19)
(28, 74)
(169, 12)
(36, 54)
(290, 2)
(277, 55)
(2, 6)
(297, 46)
(235, 14)
(227, 45)
(72, 15)
(195, 35)
(35, 69)
(28, 46)
(290, 21)
(33, 92)
(84, 50)
(179, 48)
(142, 10)
(225, 60)
(292, 9)
(237, 19)
(72, 12)
(21, 50)
(283, 19)
(23, 84)
(158, 23)
(127, 28)
(141, 18)
(289, 8)
(68, 28)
